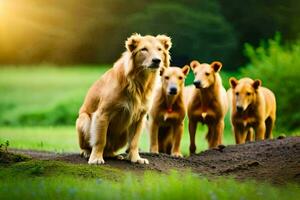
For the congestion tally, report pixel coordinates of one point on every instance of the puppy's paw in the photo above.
(177, 155)
(119, 157)
(85, 153)
(154, 152)
(141, 161)
(96, 161)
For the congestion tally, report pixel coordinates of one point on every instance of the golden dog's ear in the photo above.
(133, 41)
(233, 82)
(185, 70)
(194, 64)
(216, 65)
(161, 71)
(256, 84)
(165, 40)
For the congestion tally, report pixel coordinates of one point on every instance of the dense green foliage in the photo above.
(57, 180)
(279, 69)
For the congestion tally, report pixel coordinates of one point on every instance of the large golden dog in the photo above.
(167, 112)
(208, 103)
(113, 111)
(253, 107)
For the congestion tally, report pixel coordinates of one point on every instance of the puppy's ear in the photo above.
(256, 84)
(165, 40)
(194, 64)
(161, 71)
(233, 82)
(216, 65)
(133, 41)
(185, 70)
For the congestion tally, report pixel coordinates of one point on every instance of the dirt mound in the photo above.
(276, 161)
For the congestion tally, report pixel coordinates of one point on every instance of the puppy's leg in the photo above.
(250, 135)
(192, 132)
(177, 135)
(135, 133)
(98, 137)
(218, 134)
(153, 137)
(83, 127)
(260, 131)
(240, 134)
(211, 135)
(269, 127)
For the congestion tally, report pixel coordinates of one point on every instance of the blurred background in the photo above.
(51, 52)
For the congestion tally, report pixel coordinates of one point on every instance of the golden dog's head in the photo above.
(244, 92)
(205, 74)
(172, 79)
(149, 52)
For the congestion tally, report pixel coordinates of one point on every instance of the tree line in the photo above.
(94, 31)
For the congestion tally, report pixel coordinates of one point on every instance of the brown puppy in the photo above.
(113, 111)
(208, 103)
(252, 106)
(167, 112)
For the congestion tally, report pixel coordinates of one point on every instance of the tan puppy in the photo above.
(113, 111)
(167, 112)
(252, 106)
(208, 103)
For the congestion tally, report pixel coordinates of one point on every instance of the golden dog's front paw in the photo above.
(177, 155)
(96, 161)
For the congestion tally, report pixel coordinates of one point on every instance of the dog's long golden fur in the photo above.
(113, 111)
(167, 112)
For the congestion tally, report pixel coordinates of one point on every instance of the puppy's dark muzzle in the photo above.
(197, 83)
(173, 91)
(239, 109)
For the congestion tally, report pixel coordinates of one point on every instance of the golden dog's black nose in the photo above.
(156, 61)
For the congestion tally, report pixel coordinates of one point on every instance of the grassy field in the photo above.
(38, 109)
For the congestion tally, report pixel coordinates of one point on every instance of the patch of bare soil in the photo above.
(276, 161)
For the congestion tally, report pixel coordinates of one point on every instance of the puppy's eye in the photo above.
(167, 78)
(248, 93)
(144, 49)
(206, 73)
(237, 94)
(159, 49)
(180, 77)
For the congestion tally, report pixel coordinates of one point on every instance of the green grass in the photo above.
(57, 180)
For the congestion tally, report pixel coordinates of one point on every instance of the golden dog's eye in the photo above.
(180, 77)
(237, 94)
(144, 49)
(167, 78)
(159, 49)
(206, 73)
(248, 93)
